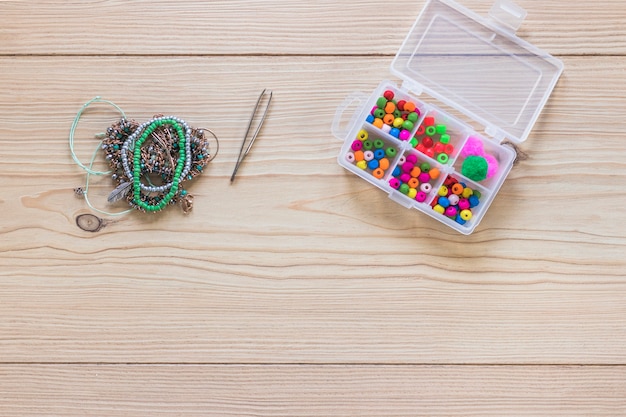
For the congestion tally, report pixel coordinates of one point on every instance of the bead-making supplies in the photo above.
(449, 164)
(149, 162)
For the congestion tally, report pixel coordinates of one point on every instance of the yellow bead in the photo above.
(412, 193)
(398, 122)
(443, 191)
(467, 192)
(362, 135)
(466, 215)
(362, 164)
(439, 209)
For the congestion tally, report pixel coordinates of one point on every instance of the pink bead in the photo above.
(464, 204)
(386, 128)
(421, 197)
(350, 157)
(451, 211)
(453, 199)
(357, 145)
(395, 183)
(426, 187)
(405, 177)
(404, 134)
(402, 160)
(424, 177)
(411, 158)
(407, 166)
(368, 155)
(373, 110)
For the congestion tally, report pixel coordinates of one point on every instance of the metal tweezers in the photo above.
(242, 153)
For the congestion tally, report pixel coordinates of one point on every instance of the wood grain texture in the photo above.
(301, 390)
(300, 289)
(325, 27)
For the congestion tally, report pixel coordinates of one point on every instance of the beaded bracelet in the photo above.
(149, 162)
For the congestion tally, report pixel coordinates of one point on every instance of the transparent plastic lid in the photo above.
(478, 66)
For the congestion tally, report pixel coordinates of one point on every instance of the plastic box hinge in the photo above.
(401, 199)
(508, 14)
(413, 87)
(495, 132)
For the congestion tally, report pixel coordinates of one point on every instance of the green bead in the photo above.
(404, 188)
(412, 117)
(367, 145)
(440, 129)
(391, 152)
(378, 144)
(445, 139)
(414, 142)
(425, 167)
(381, 102)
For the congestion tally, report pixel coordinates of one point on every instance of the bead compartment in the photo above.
(459, 133)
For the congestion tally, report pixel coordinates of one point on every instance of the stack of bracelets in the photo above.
(150, 161)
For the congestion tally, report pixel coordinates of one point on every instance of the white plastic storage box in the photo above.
(421, 155)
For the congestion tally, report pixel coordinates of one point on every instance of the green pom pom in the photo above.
(475, 168)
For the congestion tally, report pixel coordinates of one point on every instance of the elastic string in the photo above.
(97, 99)
(89, 169)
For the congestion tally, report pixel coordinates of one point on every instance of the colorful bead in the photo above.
(381, 102)
(458, 189)
(404, 135)
(412, 193)
(362, 135)
(404, 188)
(368, 155)
(378, 122)
(390, 107)
(467, 192)
(439, 209)
(357, 145)
(388, 94)
(411, 158)
(431, 130)
(359, 156)
(427, 142)
(429, 121)
(453, 199)
(420, 197)
(367, 145)
(466, 215)
(409, 106)
(386, 128)
(400, 105)
(362, 164)
(442, 158)
(394, 183)
(378, 173)
(405, 177)
(391, 152)
(373, 164)
(443, 202)
(440, 129)
(443, 191)
(395, 132)
(434, 173)
(379, 113)
(445, 139)
(416, 171)
(451, 211)
(379, 154)
(408, 125)
(426, 187)
(384, 163)
(378, 143)
(350, 157)
(388, 120)
(464, 204)
(413, 182)
(473, 201)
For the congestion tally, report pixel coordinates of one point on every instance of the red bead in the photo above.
(439, 147)
(400, 105)
(429, 121)
(450, 181)
(430, 152)
(420, 130)
(427, 142)
(388, 95)
(448, 149)
(421, 148)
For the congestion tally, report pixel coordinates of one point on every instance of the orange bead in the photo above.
(384, 163)
(409, 106)
(457, 189)
(414, 182)
(388, 119)
(416, 171)
(378, 173)
(359, 156)
(434, 173)
(390, 107)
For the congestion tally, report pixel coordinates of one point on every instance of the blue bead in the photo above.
(397, 171)
(473, 200)
(444, 202)
(379, 153)
(395, 132)
(370, 119)
(459, 220)
(373, 164)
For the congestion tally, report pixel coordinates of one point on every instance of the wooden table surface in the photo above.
(301, 290)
